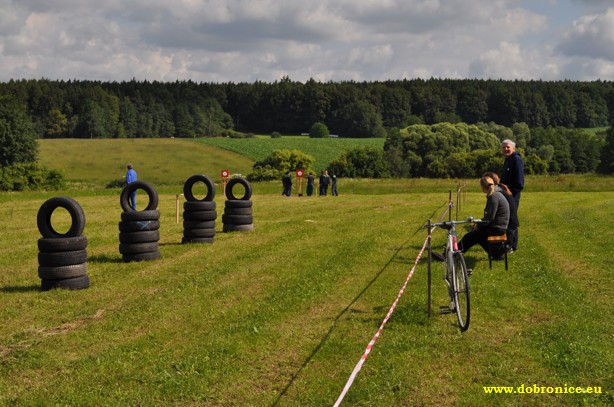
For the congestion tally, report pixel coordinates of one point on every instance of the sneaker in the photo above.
(469, 272)
(437, 256)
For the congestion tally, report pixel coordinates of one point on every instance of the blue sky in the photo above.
(249, 40)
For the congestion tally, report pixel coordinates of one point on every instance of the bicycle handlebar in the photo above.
(449, 224)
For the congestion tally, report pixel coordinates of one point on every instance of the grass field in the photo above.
(282, 314)
(160, 161)
(323, 150)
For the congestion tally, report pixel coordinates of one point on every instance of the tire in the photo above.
(461, 291)
(141, 256)
(43, 219)
(138, 248)
(200, 215)
(139, 226)
(139, 237)
(199, 233)
(62, 258)
(141, 215)
(234, 181)
(237, 219)
(145, 186)
(237, 228)
(238, 211)
(238, 204)
(186, 240)
(61, 244)
(189, 184)
(199, 206)
(196, 224)
(62, 272)
(76, 283)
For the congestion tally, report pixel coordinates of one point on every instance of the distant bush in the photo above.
(280, 161)
(276, 134)
(32, 176)
(319, 130)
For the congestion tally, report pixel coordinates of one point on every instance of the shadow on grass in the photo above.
(347, 309)
(105, 258)
(21, 289)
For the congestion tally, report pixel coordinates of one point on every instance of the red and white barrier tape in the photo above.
(377, 334)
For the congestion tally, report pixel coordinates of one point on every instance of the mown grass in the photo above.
(323, 150)
(281, 315)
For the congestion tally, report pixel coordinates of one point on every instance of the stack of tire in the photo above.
(62, 257)
(238, 215)
(199, 215)
(139, 231)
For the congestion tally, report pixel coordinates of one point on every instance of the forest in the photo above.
(90, 109)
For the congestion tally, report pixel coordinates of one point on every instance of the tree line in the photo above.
(93, 109)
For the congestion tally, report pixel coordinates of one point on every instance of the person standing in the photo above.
(310, 184)
(333, 190)
(286, 180)
(513, 176)
(130, 178)
(324, 182)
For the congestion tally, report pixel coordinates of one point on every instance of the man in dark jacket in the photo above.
(286, 180)
(513, 176)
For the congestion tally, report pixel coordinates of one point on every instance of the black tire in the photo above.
(200, 215)
(62, 244)
(237, 219)
(186, 240)
(234, 181)
(76, 283)
(62, 258)
(196, 224)
(238, 204)
(199, 206)
(141, 215)
(43, 219)
(237, 228)
(189, 184)
(137, 248)
(145, 186)
(461, 291)
(141, 256)
(199, 233)
(139, 226)
(62, 272)
(238, 211)
(139, 237)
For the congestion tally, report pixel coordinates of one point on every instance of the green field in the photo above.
(282, 314)
(323, 150)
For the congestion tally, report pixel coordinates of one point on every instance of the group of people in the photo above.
(502, 201)
(325, 181)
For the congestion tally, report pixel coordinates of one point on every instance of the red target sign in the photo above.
(224, 173)
(300, 173)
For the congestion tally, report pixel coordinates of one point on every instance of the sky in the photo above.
(325, 40)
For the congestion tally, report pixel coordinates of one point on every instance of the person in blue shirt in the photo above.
(130, 178)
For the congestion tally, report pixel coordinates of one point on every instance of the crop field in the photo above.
(323, 150)
(281, 315)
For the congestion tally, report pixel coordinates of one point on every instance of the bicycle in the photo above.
(456, 276)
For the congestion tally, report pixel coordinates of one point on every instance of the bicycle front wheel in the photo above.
(461, 291)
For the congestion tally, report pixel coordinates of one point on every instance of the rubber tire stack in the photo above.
(62, 257)
(238, 215)
(199, 215)
(139, 230)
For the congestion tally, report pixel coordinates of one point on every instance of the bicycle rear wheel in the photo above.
(461, 291)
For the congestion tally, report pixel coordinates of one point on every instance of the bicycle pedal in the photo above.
(445, 310)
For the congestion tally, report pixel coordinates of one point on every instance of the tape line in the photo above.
(377, 334)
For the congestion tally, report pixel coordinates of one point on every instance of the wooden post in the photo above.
(429, 271)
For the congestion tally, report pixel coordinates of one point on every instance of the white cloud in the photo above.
(241, 40)
(590, 36)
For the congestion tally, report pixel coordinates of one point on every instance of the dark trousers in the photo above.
(478, 236)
